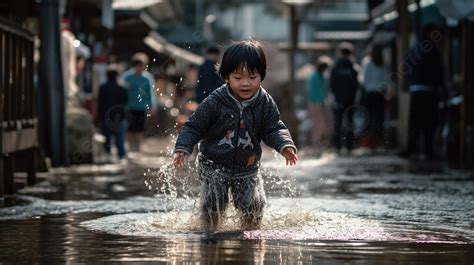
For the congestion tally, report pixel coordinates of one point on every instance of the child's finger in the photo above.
(178, 161)
(293, 160)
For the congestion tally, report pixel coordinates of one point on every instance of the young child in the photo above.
(230, 124)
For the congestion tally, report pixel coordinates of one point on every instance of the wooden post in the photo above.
(467, 93)
(30, 156)
(2, 91)
(9, 174)
(288, 95)
(403, 96)
(51, 84)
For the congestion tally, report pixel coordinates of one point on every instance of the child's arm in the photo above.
(194, 129)
(290, 155)
(276, 135)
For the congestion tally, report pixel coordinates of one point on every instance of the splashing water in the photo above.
(330, 203)
(282, 220)
(172, 185)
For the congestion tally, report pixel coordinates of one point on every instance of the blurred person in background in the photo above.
(376, 83)
(317, 94)
(112, 113)
(141, 98)
(208, 80)
(344, 84)
(424, 70)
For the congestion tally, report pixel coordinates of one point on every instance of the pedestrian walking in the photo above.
(208, 79)
(141, 98)
(424, 70)
(112, 112)
(376, 84)
(344, 84)
(230, 124)
(317, 94)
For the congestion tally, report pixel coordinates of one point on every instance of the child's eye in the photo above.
(238, 78)
(253, 77)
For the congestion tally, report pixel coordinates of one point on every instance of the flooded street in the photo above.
(331, 210)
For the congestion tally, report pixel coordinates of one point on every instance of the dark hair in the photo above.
(376, 55)
(323, 63)
(247, 53)
(112, 71)
(137, 62)
(139, 58)
(345, 48)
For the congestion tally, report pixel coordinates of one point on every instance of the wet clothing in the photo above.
(247, 191)
(209, 80)
(231, 131)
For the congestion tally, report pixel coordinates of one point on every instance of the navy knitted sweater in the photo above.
(231, 131)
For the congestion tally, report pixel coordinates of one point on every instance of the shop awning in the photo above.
(342, 35)
(386, 16)
(457, 9)
(158, 43)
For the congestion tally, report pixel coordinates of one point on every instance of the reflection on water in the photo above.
(336, 210)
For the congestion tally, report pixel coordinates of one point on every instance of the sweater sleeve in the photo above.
(195, 128)
(275, 134)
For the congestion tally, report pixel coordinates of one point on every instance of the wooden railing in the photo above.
(18, 123)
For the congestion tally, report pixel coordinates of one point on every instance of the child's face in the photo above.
(244, 84)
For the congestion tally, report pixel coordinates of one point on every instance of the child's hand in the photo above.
(290, 156)
(179, 158)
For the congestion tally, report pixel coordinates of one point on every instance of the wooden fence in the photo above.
(18, 123)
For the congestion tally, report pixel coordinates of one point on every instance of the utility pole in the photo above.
(288, 95)
(288, 114)
(403, 95)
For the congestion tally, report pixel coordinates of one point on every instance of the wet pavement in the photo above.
(329, 210)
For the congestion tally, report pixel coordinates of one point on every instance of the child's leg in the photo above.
(249, 198)
(214, 197)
